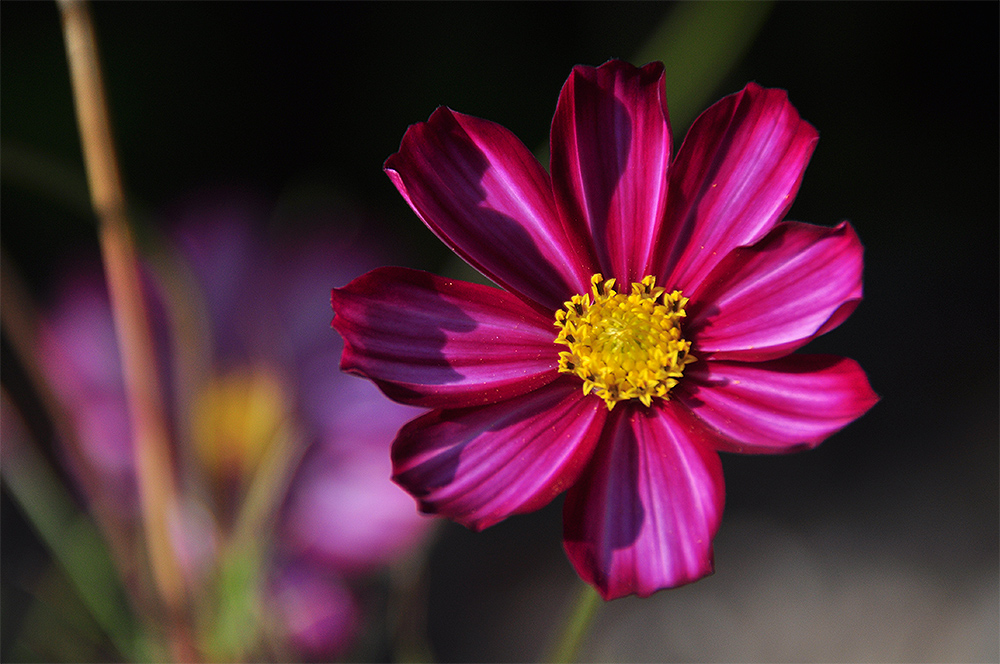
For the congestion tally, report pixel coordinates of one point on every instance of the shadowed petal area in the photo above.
(767, 300)
(610, 153)
(436, 342)
(734, 178)
(643, 514)
(478, 466)
(486, 196)
(778, 406)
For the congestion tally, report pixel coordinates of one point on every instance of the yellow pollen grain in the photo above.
(624, 346)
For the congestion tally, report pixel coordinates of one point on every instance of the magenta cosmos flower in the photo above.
(649, 310)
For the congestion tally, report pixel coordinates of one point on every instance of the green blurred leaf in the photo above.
(74, 542)
(699, 43)
(56, 627)
(233, 632)
(46, 176)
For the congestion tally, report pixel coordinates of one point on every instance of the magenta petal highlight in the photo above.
(779, 406)
(486, 196)
(734, 178)
(643, 515)
(610, 148)
(478, 466)
(767, 300)
(436, 342)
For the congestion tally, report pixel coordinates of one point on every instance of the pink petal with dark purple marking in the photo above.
(486, 196)
(734, 178)
(643, 515)
(610, 154)
(769, 299)
(778, 406)
(477, 466)
(436, 342)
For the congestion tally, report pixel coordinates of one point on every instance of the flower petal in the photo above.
(436, 342)
(477, 466)
(643, 515)
(765, 301)
(610, 153)
(779, 406)
(486, 196)
(734, 178)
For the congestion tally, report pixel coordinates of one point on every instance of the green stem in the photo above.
(578, 626)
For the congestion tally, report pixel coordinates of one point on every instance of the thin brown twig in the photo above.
(142, 383)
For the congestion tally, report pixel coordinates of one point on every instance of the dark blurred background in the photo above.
(881, 545)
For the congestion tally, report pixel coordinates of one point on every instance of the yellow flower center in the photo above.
(624, 346)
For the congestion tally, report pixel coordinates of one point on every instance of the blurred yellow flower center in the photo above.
(624, 346)
(236, 418)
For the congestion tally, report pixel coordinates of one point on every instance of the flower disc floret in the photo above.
(624, 346)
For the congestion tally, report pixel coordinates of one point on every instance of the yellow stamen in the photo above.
(624, 346)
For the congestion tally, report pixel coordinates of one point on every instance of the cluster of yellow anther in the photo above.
(624, 346)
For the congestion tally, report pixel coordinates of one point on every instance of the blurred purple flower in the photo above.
(265, 363)
(320, 615)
